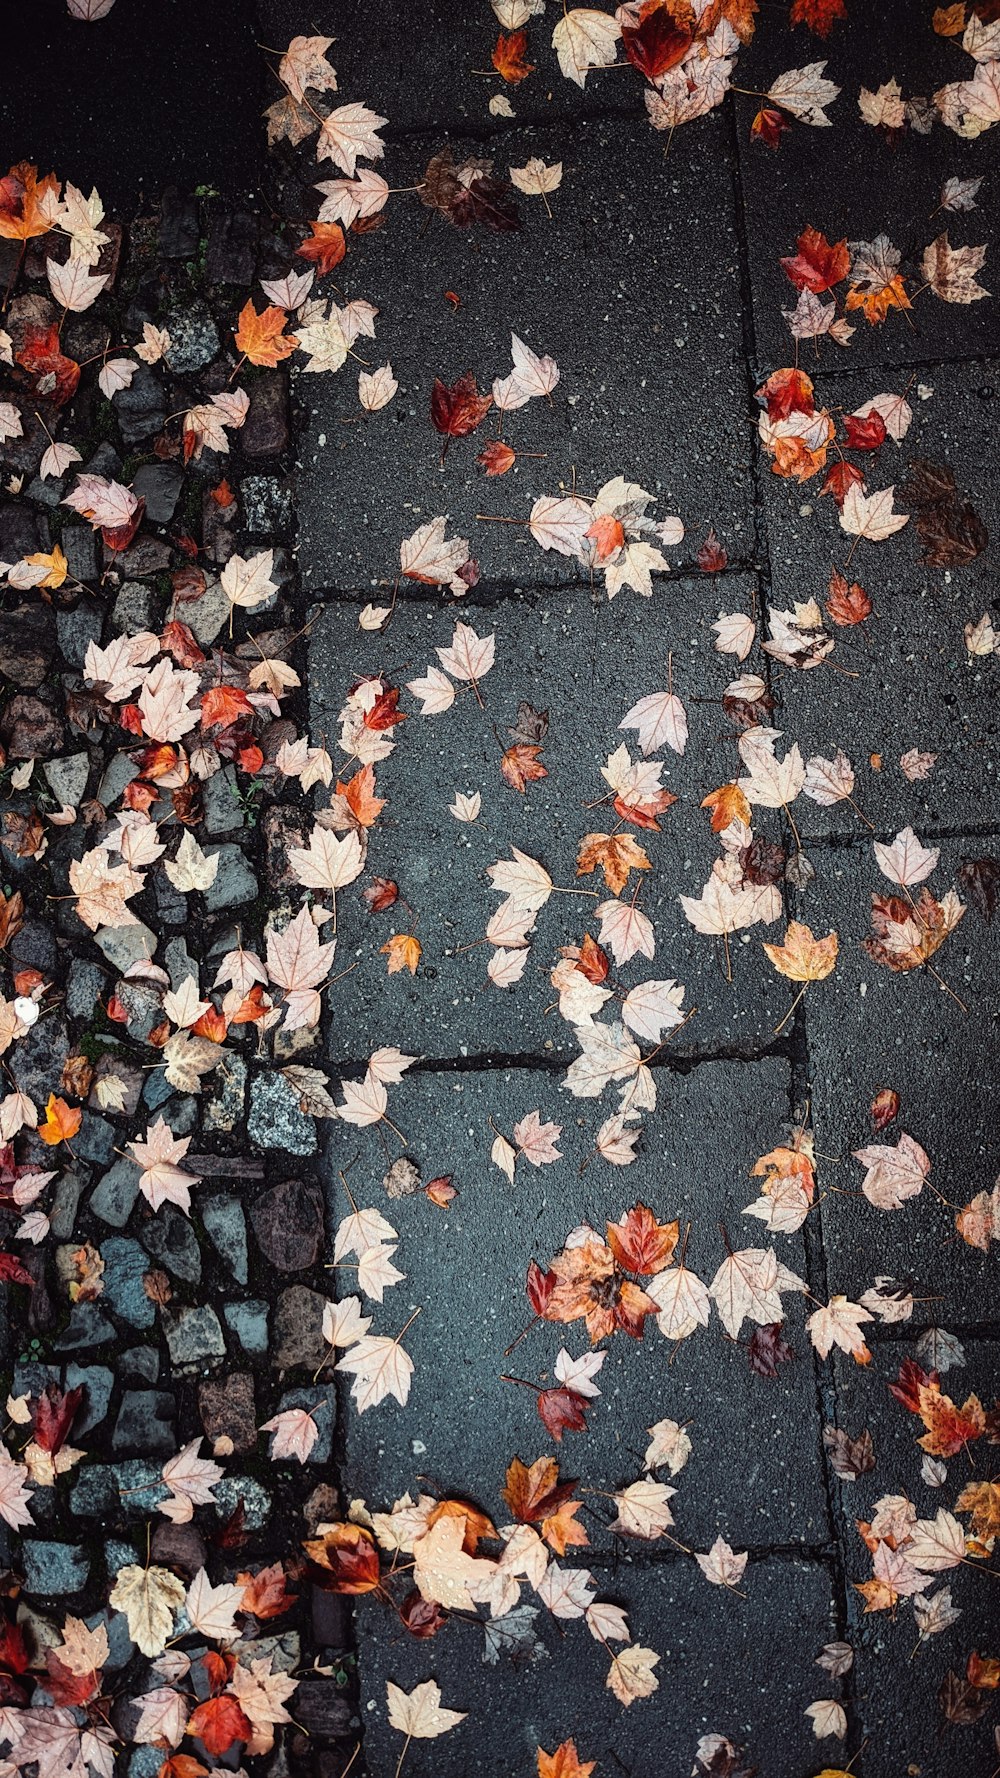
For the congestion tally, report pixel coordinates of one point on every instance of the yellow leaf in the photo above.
(802, 957)
(56, 564)
(403, 952)
(260, 337)
(61, 1121)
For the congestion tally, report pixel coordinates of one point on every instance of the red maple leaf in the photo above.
(819, 15)
(457, 411)
(865, 434)
(658, 40)
(54, 374)
(817, 264)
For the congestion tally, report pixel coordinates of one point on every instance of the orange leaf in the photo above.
(477, 1525)
(521, 765)
(847, 604)
(264, 1593)
(55, 375)
(560, 1529)
(727, 804)
(403, 952)
(787, 392)
(349, 1553)
(212, 1025)
(219, 1723)
(640, 1243)
(877, 303)
(61, 1121)
(326, 248)
(496, 457)
(182, 1765)
(608, 535)
(534, 1490)
(819, 15)
(949, 1428)
(508, 57)
(21, 192)
(983, 1671)
(224, 704)
(949, 21)
(616, 853)
(359, 794)
(564, 1763)
(260, 337)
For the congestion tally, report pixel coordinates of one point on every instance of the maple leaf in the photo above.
(640, 1243)
(508, 57)
(949, 1428)
(376, 388)
(537, 1141)
(261, 337)
(615, 854)
(348, 1554)
(839, 1324)
(429, 557)
(403, 952)
(802, 957)
(565, 1762)
(162, 1181)
(62, 1121)
(420, 1715)
(149, 1597)
(893, 1174)
(721, 1564)
(584, 39)
(804, 92)
(458, 410)
(25, 202)
(819, 15)
(936, 1544)
(325, 247)
(190, 1479)
(845, 604)
(348, 133)
(298, 963)
(643, 1510)
(14, 1496)
(631, 1676)
(219, 1723)
(380, 1367)
(951, 271)
(536, 179)
(817, 265)
(212, 1610)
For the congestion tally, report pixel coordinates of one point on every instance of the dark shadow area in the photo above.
(159, 92)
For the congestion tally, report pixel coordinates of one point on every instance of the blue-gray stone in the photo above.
(225, 1225)
(86, 1327)
(125, 1265)
(95, 1139)
(169, 1238)
(65, 1203)
(118, 1555)
(52, 1569)
(125, 945)
(275, 1120)
(221, 809)
(256, 1500)
(145, 1423)
(76, 629)
(88, 984)
(114, 1195)
(235, 883)
(98, 1382)
(140, 1361)
(194, 338)
(248, 1322)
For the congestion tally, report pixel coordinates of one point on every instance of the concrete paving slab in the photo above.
(651, 381)
(854, 181)
(185, 80)
(717, 1674)
(868, 1028)
(751, 1476)
(428, 68)
(895, 1688)
(586, 665)
(917, 686)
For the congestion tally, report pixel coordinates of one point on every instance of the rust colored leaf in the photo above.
(325, 247)
(457, 411)
(846, 604)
